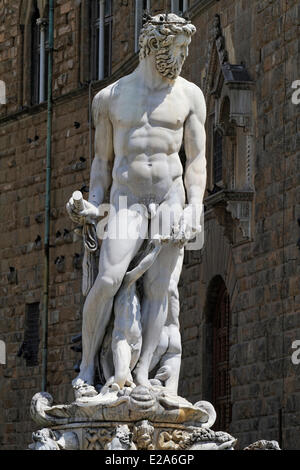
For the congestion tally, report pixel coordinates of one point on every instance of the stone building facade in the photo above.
(240, 296)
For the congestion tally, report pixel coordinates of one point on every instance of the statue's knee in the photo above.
(109, 285)
(173, 290)
(157, 289)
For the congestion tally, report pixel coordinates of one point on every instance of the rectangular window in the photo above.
(39, 94)
(98, 49)
(46, 60)
(140, 8)
(35, 60)
(138, 23)
(31, 334)
(146, 4)
(108, 24)
(179, 6)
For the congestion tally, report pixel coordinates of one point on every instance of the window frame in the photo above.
(35, 59)
(94, 15)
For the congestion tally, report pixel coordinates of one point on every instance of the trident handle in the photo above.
(78, 200)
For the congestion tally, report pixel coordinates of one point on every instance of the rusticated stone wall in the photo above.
(265, 301)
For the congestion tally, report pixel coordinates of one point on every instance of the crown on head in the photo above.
(163, 19)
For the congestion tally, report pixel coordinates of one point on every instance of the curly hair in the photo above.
(159, 31)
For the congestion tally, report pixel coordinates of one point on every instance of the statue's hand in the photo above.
(87, 214)
(188, 226)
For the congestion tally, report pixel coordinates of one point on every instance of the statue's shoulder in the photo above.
(121, 85)
(191, 89)
(104, 98)
(101, 101)
(194, 96)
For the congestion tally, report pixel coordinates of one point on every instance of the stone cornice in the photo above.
(125, 69)
(228, 195)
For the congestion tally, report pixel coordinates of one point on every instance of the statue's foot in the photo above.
(110, 386)
(83, 389)
(141, 378)
(113, 385)
(156, 383)
(163, 373)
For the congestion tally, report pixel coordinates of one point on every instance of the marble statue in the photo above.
(141, 122)
(126, 391)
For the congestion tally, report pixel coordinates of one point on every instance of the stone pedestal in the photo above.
(131, 419)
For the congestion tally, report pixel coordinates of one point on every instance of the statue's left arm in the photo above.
(195, 169)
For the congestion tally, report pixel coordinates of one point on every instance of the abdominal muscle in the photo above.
(143, 177)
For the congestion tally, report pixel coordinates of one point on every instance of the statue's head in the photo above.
(167, 37)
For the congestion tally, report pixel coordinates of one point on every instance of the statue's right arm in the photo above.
(101, 171)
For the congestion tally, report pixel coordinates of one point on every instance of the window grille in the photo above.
(221, 378)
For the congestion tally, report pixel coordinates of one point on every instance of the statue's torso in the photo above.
(148, 131)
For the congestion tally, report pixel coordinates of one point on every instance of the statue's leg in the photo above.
(115, 256)
(155, 308)
(171, 360)
(161, 348)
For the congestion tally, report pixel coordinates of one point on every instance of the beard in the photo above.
(168, 65)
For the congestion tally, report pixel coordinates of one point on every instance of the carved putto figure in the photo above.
(122, 439)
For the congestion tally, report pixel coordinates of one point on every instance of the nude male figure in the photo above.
(140, 122)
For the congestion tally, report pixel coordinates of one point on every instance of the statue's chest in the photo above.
(132, 110)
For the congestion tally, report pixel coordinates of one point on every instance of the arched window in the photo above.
(33, 53)
(216, 377)
(220, 366)
(101, 14)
